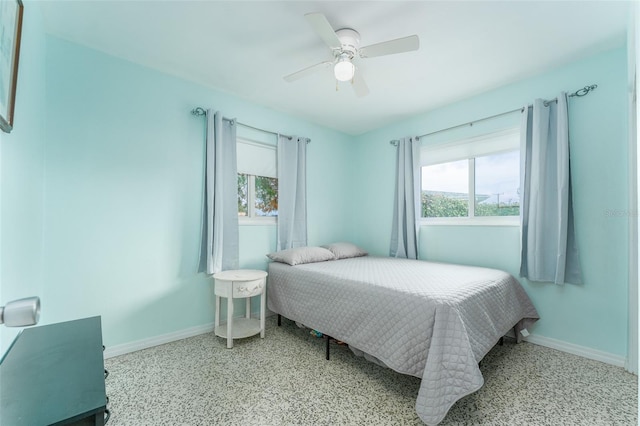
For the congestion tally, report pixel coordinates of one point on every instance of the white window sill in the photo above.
(471, 221)
(257, 221)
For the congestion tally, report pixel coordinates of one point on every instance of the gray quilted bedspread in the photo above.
(431, 320)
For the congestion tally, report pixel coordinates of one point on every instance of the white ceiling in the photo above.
(245, 48)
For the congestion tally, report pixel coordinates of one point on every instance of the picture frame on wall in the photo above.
(10, 33)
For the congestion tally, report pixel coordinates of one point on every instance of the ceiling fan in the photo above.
(345, 46)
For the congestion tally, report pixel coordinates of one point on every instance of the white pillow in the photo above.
(345, 250)
(300, 255)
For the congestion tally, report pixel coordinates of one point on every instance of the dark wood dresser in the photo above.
(54, 375)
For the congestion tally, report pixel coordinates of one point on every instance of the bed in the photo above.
(431, 320)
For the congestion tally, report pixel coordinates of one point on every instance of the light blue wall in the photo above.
(123, 193)
(21, 176)
(101, 183)
(592, 315)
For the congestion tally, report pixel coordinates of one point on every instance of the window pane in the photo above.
(445, 189)
(243, 194)
(266, 196)
(497, 184)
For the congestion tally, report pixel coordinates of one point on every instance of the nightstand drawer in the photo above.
(248, 288)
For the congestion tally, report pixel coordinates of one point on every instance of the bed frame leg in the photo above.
(279, 320)
(501, 341)
(328, 339)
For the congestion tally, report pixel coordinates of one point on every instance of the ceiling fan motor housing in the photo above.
(350, 41)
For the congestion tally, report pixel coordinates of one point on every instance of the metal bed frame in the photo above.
(328, 340)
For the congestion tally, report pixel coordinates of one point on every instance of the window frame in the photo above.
(471, 219)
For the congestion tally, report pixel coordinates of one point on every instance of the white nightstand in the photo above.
(236, 284)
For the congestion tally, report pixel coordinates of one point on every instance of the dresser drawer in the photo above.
(248, 288)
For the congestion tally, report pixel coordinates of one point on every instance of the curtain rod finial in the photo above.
(584, 91)
(198, 111)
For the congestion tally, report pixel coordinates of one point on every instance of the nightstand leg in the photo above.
(263, 298)
(248, 308)
(217, 317)
(229, 322)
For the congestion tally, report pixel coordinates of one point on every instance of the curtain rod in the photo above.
(199, 111)
(578, 93)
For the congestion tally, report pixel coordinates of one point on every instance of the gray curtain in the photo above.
(406, 211)
(220, 230)
(549, 251)
(292, 192)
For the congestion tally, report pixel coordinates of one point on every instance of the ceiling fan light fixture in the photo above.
(344, 69)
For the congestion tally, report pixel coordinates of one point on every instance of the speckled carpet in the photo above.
(285, 380)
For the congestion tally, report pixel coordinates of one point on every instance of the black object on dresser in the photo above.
(54, 375)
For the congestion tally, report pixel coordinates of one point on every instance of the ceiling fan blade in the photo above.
(307, 71)
(359, 85)
(324, 29)
(400, 45)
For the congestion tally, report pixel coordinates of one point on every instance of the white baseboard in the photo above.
(583, 351)
(150, 342)
(138, 345)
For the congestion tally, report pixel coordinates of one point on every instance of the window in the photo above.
(257, 196)
(472, 181)
(257, 183)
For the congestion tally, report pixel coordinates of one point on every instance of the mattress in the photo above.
(431, 320)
